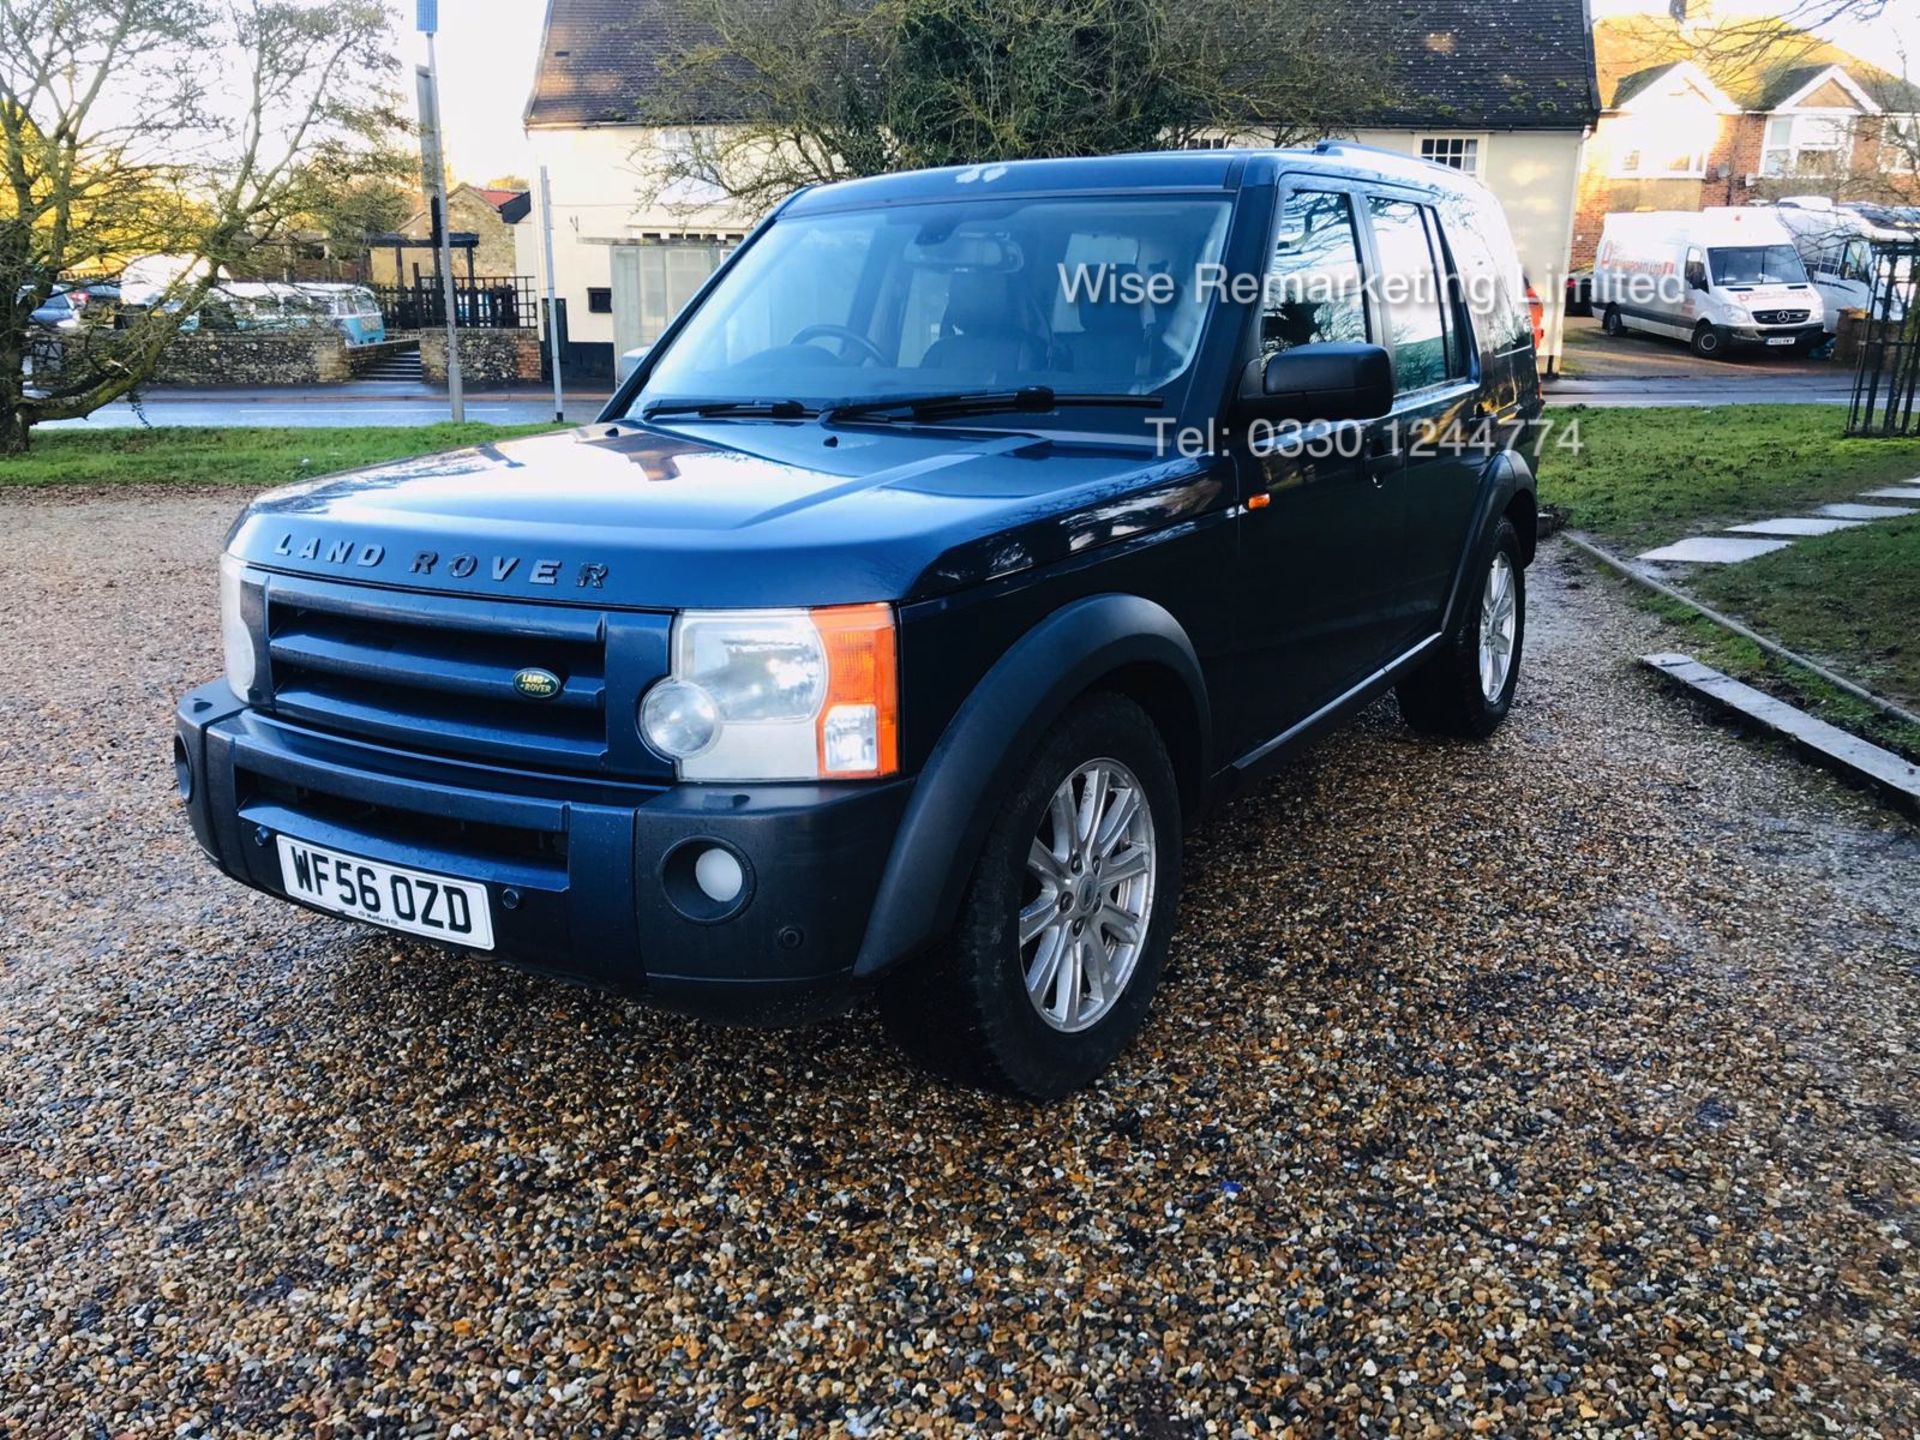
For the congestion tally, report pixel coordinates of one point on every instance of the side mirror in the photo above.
(1344, 381)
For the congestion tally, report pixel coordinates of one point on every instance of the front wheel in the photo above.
(1466, 687)
(1611, 322)
(1066, 918)
(1709, 340)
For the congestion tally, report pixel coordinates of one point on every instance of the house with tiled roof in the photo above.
(1504, 91)
(1698, 115)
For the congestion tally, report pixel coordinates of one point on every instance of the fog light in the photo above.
(182, 769)
(719, 876)
(706, 880)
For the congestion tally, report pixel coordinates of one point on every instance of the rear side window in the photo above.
(1488, 271)
(1421, 316)
(1313, 292)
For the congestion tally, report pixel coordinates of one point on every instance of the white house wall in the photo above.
(597, 175)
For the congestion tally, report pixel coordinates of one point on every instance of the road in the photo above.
(361, 402)
(1636, 369)
(1562, 1085)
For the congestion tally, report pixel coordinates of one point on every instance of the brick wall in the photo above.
(487, 357)
(224, 360)
(1735, 148)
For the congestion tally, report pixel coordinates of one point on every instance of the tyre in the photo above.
(1611, 322)
(1709, 340)
(1466, 687)
(1064, 926)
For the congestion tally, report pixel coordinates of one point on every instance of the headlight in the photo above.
(235, 637)
(778, 695)
(1739, 314)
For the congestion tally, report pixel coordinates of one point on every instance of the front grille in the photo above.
(443, 833)
(436, 672)
(1781, 317)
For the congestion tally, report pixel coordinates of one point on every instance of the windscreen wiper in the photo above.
(1027, 400)
(753, 409)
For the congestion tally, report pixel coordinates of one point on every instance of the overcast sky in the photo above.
(487, 50)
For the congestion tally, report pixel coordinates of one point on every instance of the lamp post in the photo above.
(553, 305)
(434, 172)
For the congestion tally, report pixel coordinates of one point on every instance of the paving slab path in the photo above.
(1733, 546)
(1562, 1085)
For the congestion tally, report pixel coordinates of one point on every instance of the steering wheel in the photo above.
(840, 332)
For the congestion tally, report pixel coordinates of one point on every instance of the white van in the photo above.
(1715, 279)
(1837, 247)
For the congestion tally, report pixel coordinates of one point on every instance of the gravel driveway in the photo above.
(1563, 1085)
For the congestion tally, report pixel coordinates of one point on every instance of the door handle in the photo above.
(1383, 455)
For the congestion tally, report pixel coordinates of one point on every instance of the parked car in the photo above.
(350, 309)
(1716, 279)
(69, 306)
(970, 536)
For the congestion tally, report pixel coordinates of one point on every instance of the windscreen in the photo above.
(1757, 265)
(1095, 296)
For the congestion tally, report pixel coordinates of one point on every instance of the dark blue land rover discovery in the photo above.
(966, 535)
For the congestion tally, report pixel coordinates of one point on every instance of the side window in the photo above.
(1416, 303)
(1696, 270)
(1452, 312)
(1313, 292)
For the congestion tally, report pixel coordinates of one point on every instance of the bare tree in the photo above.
(175, 127)
(824, 90)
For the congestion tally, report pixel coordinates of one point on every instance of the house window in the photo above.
(1807, 143)
(1655, 147)
(599, 300)
(1658, 160)
(1900, 142)
(1462, 152)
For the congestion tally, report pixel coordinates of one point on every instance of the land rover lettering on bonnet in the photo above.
(367, 555)
(909, 602)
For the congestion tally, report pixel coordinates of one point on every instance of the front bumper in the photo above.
(585, 876)
(1803, 336)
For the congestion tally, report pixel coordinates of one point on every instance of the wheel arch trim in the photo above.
(1125, 639)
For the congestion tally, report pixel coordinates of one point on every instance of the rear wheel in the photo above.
(1709, 340)
(1064, 926)
(1611, 322)
(1466, 688)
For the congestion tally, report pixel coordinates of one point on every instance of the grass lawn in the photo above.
(1849, 600)
(235, 456)
(1645, 477)
(1852, 598)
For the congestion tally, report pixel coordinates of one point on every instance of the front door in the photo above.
(1317, 584)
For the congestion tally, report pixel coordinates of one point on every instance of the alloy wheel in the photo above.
(1498, 621)
(1087, 899)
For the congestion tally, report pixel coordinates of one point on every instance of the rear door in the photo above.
(1438, 437)
(1317, 588)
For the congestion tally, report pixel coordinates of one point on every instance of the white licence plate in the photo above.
(432, 905)
(1780, 339)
